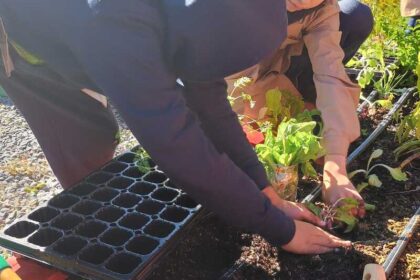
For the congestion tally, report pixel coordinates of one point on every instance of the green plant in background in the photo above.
(408, 133)
(418, 72)
(294, 144)
(388, 39)
(281, 105)
(370, 61)
(371, 179)
(241, 84)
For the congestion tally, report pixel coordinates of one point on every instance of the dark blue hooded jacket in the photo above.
(135, 50)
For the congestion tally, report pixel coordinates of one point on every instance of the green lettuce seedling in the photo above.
(341, 212)
(372, 179)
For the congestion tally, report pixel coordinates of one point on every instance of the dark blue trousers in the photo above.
(356, 23)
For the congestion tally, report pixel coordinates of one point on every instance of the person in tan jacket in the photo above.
(309, 63)
(411, 9)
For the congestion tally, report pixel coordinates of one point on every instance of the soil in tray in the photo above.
(211, 247)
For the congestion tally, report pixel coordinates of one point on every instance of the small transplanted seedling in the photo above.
(340, 214)
(240, 85)
(371, 179)
(142, 160)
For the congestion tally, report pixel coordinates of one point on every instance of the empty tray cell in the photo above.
(150, 207)
(99, 178)
(66, 221)
(142, 188)
(123, 263)
(45, 237)
(104, 194)
(155, 177)
(165, 194)
(186, 201)
(116, 236)
(82, 189)
(159, 229)
(126, 200)
(142, 245)
(96, 254)
(133, 172)
(115, 167)
(44, 214)
(120, 183)
(127, 158)
(91, 229)
(174, 214)
(110, 214)
(134, 221)
(87, 207)
(21, 229)
(70, 245)
(63, 201)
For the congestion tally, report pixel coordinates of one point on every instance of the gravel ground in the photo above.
(26, 179)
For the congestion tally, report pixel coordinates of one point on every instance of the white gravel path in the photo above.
(26, 179)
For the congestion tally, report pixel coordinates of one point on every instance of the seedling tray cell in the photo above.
(115, 224)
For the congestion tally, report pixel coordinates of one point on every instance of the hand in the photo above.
(310, 239)
(296, 211)
(337, 185)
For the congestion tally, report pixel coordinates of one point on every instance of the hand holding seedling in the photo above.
(297, 211)
(309, 238)
(337, 186)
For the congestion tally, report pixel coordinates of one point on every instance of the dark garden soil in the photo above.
(211, 247)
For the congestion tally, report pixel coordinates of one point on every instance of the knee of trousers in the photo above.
(352, 12)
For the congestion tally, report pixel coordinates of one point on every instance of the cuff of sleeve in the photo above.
(278, 229)
(336, 144)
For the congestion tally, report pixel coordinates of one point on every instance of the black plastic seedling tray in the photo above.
(115, 224)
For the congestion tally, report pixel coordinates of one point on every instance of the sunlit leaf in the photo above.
(374, 181)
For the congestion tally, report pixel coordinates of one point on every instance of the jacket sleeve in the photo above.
(337, 96)
(122, 51)
(221, 126)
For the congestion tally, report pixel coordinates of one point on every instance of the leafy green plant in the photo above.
(339, 214)
(280, 105)
(371, 179)
(418, 72)
(408, 133)
(294, 144)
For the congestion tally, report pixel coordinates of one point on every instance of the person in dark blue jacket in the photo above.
(134, 51)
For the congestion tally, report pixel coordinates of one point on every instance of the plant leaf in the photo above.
(370, 207)
(353, 173)
(396, 173)
(348, 219)
(313, 208)
(375, 154)
(308, 170)
(360, 187)
(374, 181)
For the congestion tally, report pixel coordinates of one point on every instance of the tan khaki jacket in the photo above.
(410, 8)
(337, 96)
